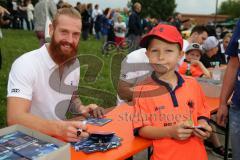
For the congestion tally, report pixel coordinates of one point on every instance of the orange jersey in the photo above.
(195, 70)
(156, 104)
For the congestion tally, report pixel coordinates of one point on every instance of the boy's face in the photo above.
(226, 42)
(200, 37)
(163, 56)
(193, 55)
(119, 19)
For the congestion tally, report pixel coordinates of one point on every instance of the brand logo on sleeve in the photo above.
(15, 90)
(123, 75)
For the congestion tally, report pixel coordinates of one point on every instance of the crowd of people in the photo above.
(160, 68)
(109, 24)
(21, 14)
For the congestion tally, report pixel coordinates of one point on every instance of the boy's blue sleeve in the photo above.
(232, 49)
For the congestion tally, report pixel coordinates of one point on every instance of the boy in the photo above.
(192, 62)
(168, 106)
(119, 30)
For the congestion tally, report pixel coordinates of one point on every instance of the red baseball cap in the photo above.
(166, 32)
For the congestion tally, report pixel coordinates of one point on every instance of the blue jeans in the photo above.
(98, 35)
(234, 123)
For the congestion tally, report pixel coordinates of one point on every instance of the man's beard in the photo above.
(61, 57)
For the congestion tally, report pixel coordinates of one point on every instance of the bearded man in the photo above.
(43, 83)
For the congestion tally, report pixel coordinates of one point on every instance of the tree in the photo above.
(160, 9)
(230, 7)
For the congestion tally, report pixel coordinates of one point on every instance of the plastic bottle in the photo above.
(216, 74)
(188, 71)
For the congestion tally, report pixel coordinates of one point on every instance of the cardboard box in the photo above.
(62, 153)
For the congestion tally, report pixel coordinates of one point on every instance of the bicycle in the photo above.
(110, 47)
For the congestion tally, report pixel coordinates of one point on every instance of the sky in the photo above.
(193, 6)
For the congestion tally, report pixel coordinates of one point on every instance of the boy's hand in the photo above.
(181, 131)
(205, 130)
(92, 110)
(195, 62)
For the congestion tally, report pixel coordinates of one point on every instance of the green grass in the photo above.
(101, 90)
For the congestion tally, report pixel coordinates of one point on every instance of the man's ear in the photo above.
(147, 53)
(51, 29)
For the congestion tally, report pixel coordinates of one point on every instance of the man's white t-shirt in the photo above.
(95, 13)
(185, 45)
(135, 68)
(35, 76)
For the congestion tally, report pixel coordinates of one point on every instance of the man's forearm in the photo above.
(126, 94)
(49, 127)
(229, 80)
(125, 90)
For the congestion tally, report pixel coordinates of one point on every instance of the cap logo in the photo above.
(161, 29)
(196, 46)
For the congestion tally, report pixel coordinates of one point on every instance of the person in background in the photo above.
(107, 25)
(86, 20)
(178, 21)
(210, 48)
(90, 11)
(59, 4)
(30, 10)
(66, 5)
(223, 46)
(97, 18)
(134, 26)
(119, 30)
(125, 15)
(147, 24)
(116, 13)
(13, 9)
(23, 14)
(198, 35)
(192, 66)
(78, 7)
(40, 17)
(3, 11)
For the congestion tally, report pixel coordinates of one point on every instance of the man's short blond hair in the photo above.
(71, 12)
(137, 4)
(228, 35)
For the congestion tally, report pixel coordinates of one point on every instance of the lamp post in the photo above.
(215, 18)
